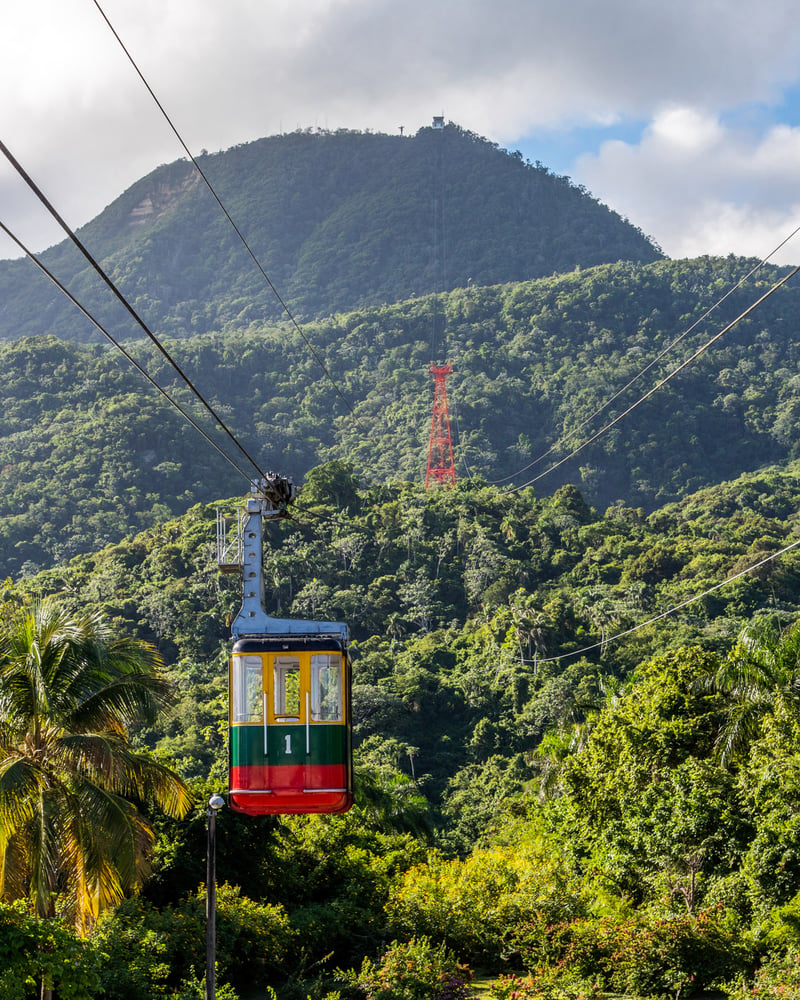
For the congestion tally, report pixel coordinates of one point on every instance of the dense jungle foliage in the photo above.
(338, 221)
(564, 784)
(538, 800)
(90, 451)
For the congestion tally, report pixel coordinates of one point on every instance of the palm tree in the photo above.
(392, 802)
(72, 836)
(760, 675)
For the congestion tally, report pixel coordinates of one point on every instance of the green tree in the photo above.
(475, 906)
(334, 485)
(73, 834)
(760, 675)
(149, 952)
(644, 795)
(392, 802)
(32, 949)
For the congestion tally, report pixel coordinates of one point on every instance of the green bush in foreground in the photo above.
(154, 953)
(412, 970)
(32, 949)
(777, 979)
(537, 988)
(645, 954)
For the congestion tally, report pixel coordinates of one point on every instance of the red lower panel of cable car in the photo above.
(306, 789)
(316, 777)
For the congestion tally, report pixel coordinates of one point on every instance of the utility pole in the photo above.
(215, 803)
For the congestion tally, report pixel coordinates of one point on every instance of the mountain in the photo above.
(89, 452)
(338, 220)
(507, 703)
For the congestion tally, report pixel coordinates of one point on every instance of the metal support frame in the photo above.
(243, 552)
(440, 450)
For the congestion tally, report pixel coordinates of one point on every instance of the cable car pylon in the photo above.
(290, 730)
(440, 449)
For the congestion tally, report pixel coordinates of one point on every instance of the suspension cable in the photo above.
(46, 271)
(121, 298)
(651, 364)
(671, 611)
(684, 364)
(227, 214)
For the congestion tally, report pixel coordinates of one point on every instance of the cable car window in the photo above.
(247, 694)
(287, 686)
(326, 687)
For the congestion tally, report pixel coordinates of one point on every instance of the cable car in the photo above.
(290, 732)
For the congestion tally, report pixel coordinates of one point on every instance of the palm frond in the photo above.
(108, 761)
(70, 783)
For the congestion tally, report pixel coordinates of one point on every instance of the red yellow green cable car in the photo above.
(290, 730)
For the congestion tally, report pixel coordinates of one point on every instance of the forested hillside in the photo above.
(580, 812)
(337, 220)
(471, 580)
(575, 700)
(90, 452)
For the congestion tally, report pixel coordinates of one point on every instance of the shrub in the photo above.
(151, 952)
(32, 948)
(777, 979)
(473, 906)
(194, 988)
(539, 987)
(646, 954)
(413, 970)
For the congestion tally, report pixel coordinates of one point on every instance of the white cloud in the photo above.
(700, 187)
(81, 121)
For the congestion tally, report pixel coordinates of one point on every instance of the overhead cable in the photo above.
(673, 610)
(651, 364)
(227, 214)
(46, 271)
(121, 298)
(661, 383)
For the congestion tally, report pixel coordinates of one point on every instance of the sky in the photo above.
(684, 117)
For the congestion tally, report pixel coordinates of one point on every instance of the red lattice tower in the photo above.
(440, 450)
